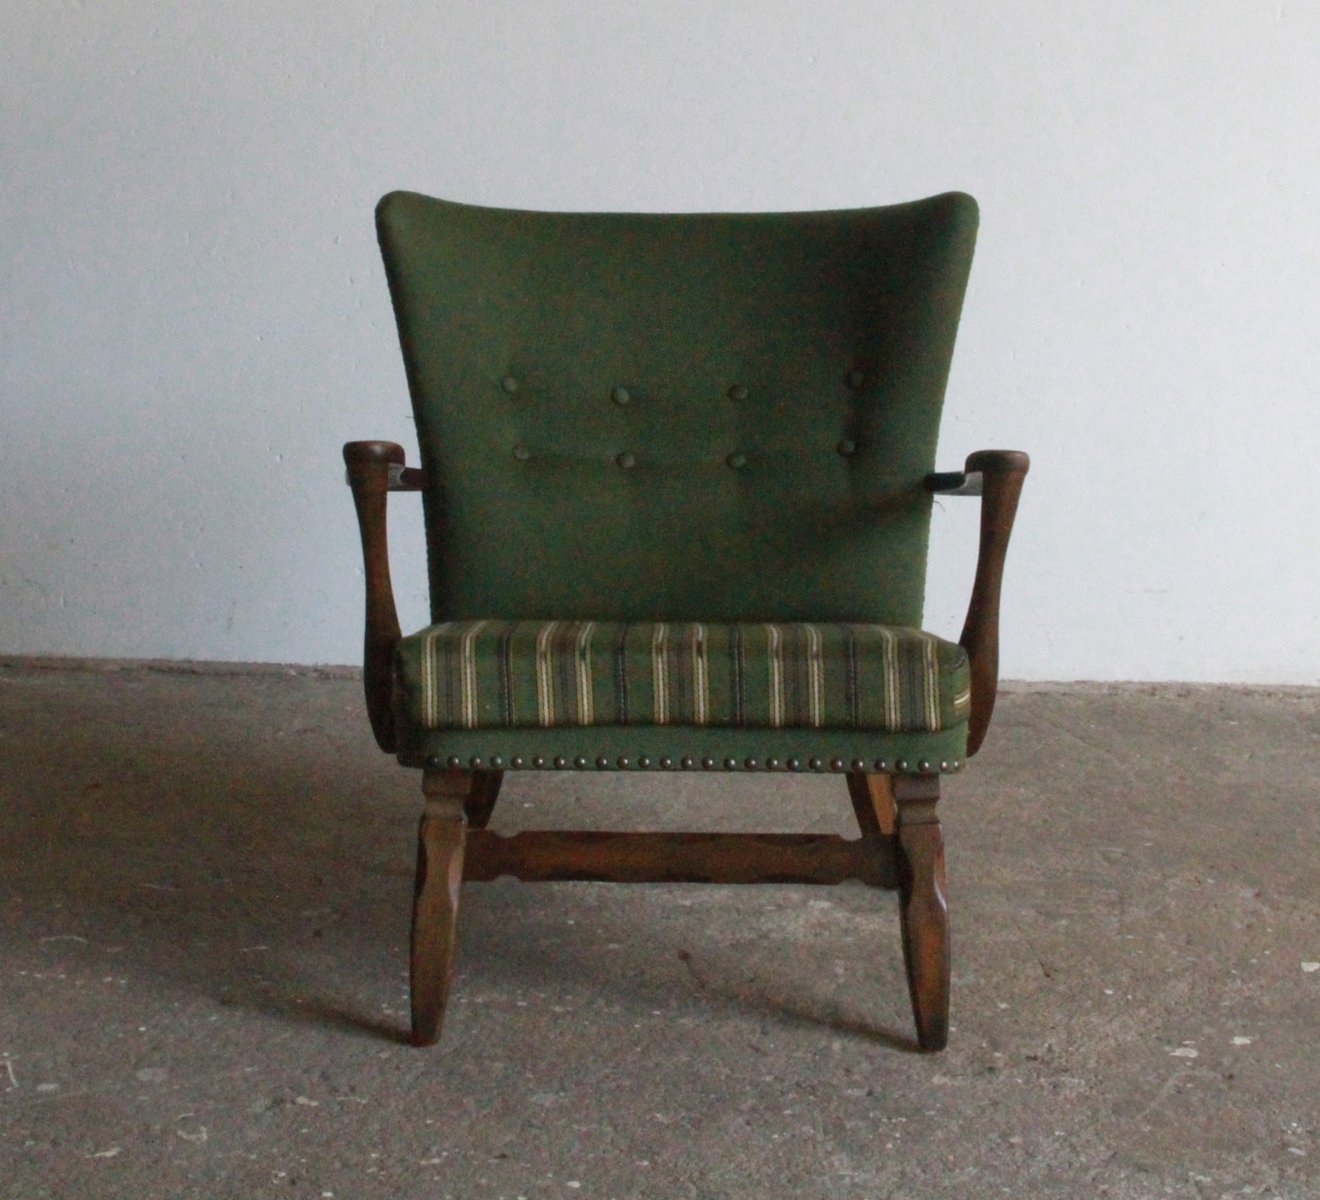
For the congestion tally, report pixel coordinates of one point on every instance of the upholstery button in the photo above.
(847, 447)
(626, 460)
(521, 453)
(736, 461)
(856, 379)
(620, 395)
(737, 392)
(509, 384)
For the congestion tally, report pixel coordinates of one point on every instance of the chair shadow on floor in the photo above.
(270, 876)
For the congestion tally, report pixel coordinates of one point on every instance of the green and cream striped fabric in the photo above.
(563, 674)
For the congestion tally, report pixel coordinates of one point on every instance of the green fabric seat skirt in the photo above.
(503, 674)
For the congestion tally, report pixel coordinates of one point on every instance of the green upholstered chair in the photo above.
(677, 481)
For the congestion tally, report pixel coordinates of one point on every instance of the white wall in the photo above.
(194, 317)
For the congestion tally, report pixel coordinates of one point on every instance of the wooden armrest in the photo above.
(375, 469)
(996, 476)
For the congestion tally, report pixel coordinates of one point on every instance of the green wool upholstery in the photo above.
(675, 487)
(719, 418)
(565, 674)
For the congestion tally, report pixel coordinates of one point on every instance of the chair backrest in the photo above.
(664, 417)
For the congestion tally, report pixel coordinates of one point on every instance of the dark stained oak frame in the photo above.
(901, 844)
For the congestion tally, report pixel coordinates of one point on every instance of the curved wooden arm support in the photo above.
(371, 467)
(996, 476)
(1002, 473)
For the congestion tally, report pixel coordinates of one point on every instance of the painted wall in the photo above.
(194, 317)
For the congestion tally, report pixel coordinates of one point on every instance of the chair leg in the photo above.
(924, 912)
(481, 799)
(440, 843)
(873, 801)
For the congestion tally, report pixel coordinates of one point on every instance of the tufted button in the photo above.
(737, 461)
(621, 395)
(856, 378)
(521, 453)
(509, 384)
(847, 447)
(627, 460)
(737, 392)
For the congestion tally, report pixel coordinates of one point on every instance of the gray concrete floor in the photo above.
(204, 891)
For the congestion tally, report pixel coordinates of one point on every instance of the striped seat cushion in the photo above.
(563, 674)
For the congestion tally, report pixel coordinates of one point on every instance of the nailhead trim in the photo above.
(644, 762)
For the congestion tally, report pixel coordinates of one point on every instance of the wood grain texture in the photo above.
(923, 907)
(440, 845)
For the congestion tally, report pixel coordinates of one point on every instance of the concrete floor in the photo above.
(204, 892)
